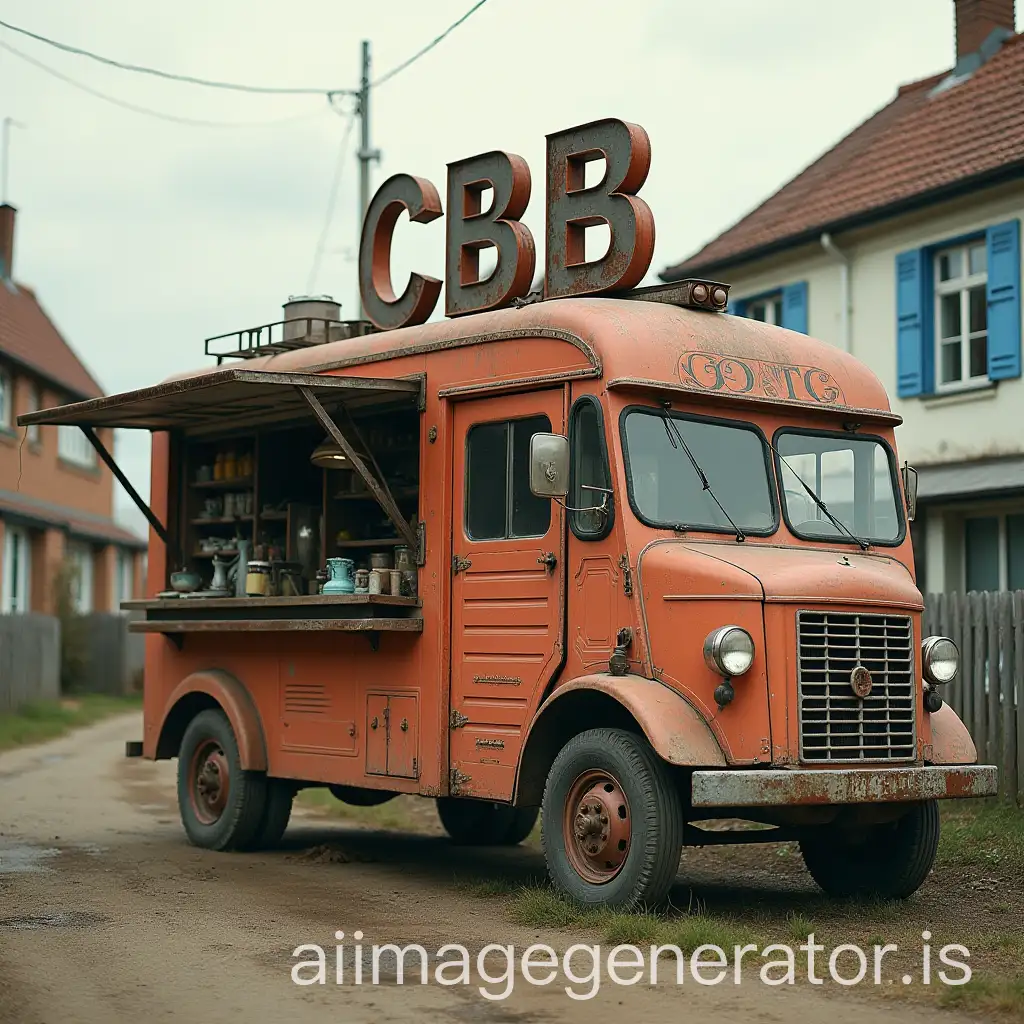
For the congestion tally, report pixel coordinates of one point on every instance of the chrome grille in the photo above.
(836, 724)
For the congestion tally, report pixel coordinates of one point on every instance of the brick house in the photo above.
(56, 498)
(902, 245)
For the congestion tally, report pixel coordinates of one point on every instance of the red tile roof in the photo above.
(920, 146)
(29, 336)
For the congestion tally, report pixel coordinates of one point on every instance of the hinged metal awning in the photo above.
(236, 398)
(225, 398)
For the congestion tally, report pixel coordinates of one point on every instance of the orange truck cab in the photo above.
(652, 566)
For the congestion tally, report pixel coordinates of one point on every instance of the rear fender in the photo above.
(235, 701)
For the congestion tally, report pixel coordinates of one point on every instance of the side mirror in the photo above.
(549, 465)
(909, 475)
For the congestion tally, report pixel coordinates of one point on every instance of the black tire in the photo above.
(233, 823)
(483, 823)
(278, 810)
(651, 820)
(888, 861)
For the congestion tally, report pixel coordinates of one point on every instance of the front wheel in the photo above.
(612, 822)
(483, 823)
(889, 861)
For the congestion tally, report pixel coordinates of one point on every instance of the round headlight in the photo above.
(940, 660)
(729, 651)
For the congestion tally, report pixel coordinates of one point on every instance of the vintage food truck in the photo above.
(652, 562)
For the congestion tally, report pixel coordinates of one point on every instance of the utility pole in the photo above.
(366, 154)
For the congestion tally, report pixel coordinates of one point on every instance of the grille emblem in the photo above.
(861, 682)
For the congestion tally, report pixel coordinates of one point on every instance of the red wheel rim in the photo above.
(596, 826)
(210, 782)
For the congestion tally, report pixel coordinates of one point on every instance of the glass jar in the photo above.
(257, 579)
(404, 561)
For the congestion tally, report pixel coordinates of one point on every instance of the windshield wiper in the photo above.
(837, 523)
(672, 427)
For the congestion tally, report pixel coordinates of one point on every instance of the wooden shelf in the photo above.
(177, 626)
(325, 601)
(276, 516)
(399, 494)
(240, 483)
(379, 542)
(219, 520)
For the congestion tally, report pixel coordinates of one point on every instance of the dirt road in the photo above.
(107, 915)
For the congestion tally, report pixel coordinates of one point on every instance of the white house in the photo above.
(902, 246)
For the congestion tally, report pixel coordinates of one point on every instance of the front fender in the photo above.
(951, 742)
(676, 730)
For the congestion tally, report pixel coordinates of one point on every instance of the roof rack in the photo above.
(284, 336)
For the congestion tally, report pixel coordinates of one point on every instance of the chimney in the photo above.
(980, 22)
(7, 214)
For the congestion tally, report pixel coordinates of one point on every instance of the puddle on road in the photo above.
(20, 860)
(51, 919)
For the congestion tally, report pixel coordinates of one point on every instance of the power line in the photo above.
(143, 70)
(339, 170)
(426, 49)
(135, 108)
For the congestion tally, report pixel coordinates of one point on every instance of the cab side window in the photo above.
(589, 466)
(499, 503)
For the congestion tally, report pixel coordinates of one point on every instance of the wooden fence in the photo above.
(110, 660)
(29, 660)
(988, 693)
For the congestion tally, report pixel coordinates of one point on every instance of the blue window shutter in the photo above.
(794, 307)
(913, 346)
(1003, 244)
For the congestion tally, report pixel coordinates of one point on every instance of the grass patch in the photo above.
(397, 815)
(539, 906)
(46, 720)
(992, 995)
(986, 836)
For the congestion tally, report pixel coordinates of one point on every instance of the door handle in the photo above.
(550, 560)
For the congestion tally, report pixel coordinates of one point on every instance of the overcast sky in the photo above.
(143, 237)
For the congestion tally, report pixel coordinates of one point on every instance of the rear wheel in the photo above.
(278, 810)
(221, 805)
(612, 823)
(889, 861)
(482, 823)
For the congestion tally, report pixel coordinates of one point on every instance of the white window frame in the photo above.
(6, 399)
(16, 595)
(960, 514)
(74, 448)
(772, 305)
(962, 285)
(82, 559)
(124, 578)
(35, 401)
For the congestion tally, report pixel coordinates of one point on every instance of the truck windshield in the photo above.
(853, 476)
(665, 488)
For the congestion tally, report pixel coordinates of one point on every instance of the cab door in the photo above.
(508, 590)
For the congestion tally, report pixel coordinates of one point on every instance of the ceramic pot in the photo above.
(339, 580)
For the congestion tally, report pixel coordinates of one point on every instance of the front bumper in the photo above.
(775, 787)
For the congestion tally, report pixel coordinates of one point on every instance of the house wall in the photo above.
(935, 429)
(980, 423)
(36, 470)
